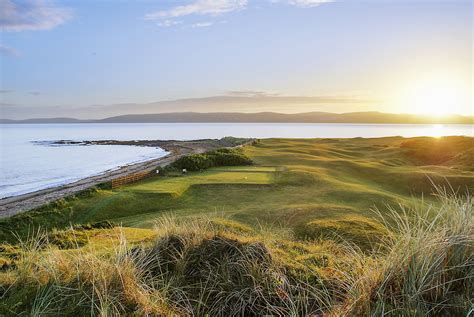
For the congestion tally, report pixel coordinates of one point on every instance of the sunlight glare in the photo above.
(436, 97)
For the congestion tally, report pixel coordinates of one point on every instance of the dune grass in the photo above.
(219, 267)
(426, 263)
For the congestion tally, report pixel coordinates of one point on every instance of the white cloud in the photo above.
(201, 7)
(201, 24)
(168, 23)
(251, 93)
(9, 51)
(32, 15)
(308, 3)
(214, 8)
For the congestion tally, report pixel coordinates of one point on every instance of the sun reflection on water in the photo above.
(437, 130)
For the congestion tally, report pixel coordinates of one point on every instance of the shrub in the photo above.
(228, 157)
(193, 162)
(220, 157)
(233, 141)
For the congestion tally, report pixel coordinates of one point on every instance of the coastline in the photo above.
(13, 205)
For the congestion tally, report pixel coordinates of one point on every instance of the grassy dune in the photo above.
(304, 231)
(219, 267)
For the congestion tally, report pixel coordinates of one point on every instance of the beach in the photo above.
(10, 206)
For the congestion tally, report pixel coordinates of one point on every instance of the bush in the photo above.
(228, 157)
(220, 157)
(192, 162)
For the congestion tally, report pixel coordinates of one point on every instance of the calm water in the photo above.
(26, 167)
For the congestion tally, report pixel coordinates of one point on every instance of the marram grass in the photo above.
(422, 266)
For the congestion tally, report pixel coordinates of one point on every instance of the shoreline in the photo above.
(13, 205)
(79, 178)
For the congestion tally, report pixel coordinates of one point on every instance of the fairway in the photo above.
(176, 186)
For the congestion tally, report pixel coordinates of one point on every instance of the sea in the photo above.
(28, 162)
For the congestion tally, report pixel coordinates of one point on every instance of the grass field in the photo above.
(299, 200)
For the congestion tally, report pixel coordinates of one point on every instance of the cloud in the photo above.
(9, 51)
(6, 91)
(202, 24)
(251, 93)
(215, 8)
(35, 93)
(303, 3)
(200, 7)
(276, 98)
(308, 3)
(168, 23)
(31, 15)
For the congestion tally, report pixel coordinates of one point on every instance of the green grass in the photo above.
(177, 186)
(359, 230)
(293, 182)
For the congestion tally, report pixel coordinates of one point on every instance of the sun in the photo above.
(435, 97)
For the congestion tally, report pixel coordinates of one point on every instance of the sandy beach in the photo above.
(10, 206)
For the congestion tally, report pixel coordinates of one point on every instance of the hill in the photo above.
(262, 117)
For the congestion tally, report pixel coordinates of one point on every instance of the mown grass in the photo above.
(176, 186)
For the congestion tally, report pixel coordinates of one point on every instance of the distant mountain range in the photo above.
(261, 117)
(245, 102)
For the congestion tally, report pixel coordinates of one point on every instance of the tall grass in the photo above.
(424, 266)
(221, 271)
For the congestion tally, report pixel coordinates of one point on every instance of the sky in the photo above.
(345, 56)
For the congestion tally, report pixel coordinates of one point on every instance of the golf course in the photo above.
(309, 227)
